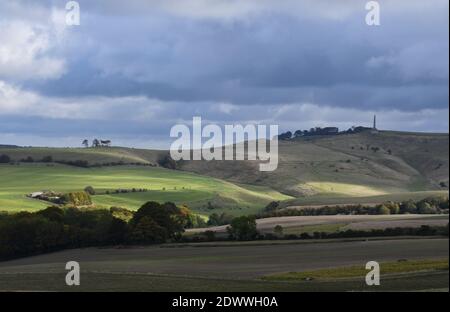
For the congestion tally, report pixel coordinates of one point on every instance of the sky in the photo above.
(133, 69)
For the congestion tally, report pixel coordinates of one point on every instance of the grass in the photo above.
(360, 271)
(344, 189)
(163, 185)
(92, 155)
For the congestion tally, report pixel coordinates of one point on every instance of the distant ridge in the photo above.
(8, 146)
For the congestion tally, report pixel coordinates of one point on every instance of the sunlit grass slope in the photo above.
(164, 185)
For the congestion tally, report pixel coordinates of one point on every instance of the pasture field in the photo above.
(164, 185)
(235, 267)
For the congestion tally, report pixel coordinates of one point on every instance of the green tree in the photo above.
(383, 210)
(278, 230)
(424, 207)
(118, 231)
(167, 216)
(243, 228)
(47, 159)
(146, 230)
(4, 159)
(90, 190)
(409, 207)
(394, 208)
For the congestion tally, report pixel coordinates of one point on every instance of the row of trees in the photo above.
(55, 228)
(321, 131)
(430, 205)
(244, 229)
(5, 159)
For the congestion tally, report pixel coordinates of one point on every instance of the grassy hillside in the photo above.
(163, 185)
(352, 165)
(344, 169)
(94, 156)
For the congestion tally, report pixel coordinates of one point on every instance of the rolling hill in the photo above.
(352, 165)
(201, 193)
(351, 168)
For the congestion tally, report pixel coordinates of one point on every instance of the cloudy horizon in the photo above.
(131, 70)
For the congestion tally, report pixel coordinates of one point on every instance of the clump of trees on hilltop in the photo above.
(54, 228)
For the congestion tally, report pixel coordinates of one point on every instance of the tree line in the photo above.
(6, 159)
(430, 205)
(55, 228)
(244, 229)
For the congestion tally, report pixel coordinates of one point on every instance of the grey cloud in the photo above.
(258, 57)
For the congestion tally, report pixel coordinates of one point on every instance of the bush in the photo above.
(29, 159)
(243, 228)
(383, 210)
(77, 199)
(47, 159)
(121, 213)
(425, 208)
(4, 159)
(192, 220)
(278, 230)
(222, 219)
(272, 206)
(167, 161)
(90, 190)
(210, 235)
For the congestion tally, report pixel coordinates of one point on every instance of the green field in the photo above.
(163, 185)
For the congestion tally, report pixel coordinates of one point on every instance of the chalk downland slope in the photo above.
(352, 165)
(94, 156)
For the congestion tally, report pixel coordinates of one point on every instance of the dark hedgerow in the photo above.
(54, 228)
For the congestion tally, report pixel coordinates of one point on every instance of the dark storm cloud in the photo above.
(267, 58)
(227, 61)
